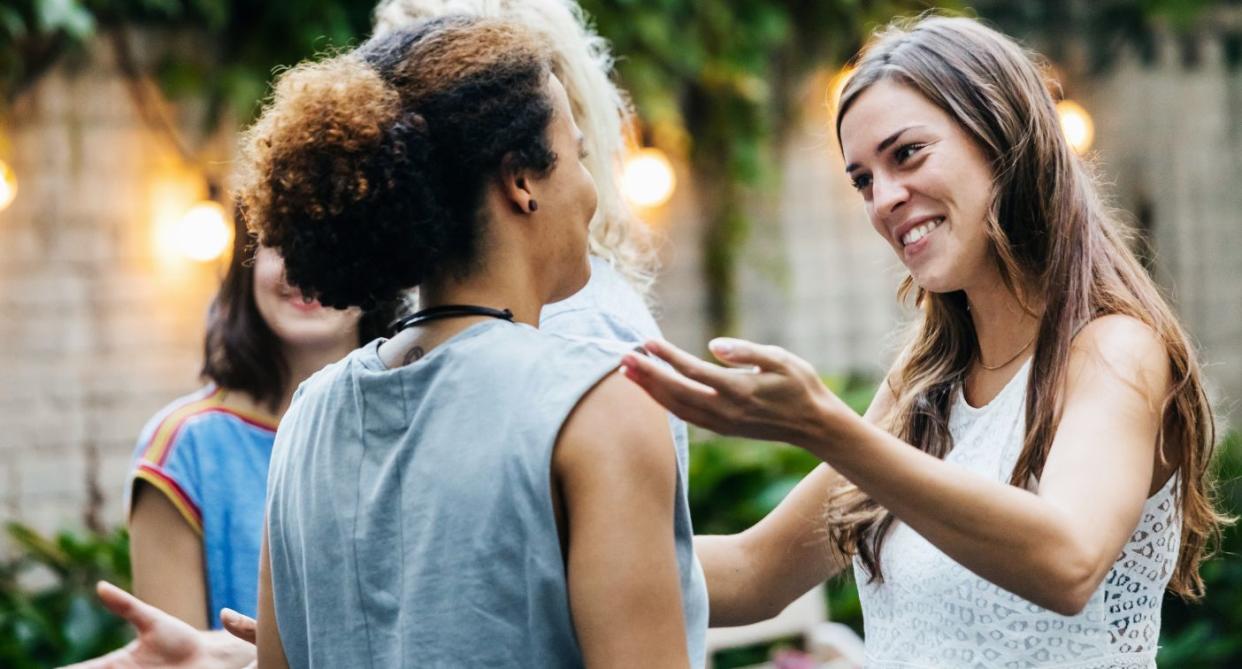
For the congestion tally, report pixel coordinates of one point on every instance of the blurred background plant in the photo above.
(1209, 634)
(49, 615)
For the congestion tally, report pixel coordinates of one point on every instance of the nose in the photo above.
(888, 194)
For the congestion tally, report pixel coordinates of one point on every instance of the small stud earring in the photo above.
(534, 206)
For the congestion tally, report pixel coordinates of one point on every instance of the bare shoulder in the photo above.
(1127, 348)
(616, 424)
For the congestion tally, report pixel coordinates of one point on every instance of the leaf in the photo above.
(68, 16)
(40, 548)
(12, 23)
(83, 628)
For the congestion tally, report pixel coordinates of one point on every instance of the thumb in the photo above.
(741, 352)
(241, 626)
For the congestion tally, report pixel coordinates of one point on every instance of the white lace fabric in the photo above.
(932, 612)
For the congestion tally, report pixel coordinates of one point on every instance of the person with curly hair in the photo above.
(473, 477)
(613, 305)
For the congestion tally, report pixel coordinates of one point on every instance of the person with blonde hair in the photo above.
(1032, 475)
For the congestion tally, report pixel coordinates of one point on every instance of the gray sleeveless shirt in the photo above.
(409, 510)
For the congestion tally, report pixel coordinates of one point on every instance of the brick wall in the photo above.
(98, 329)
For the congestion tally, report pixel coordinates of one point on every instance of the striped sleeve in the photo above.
(165, 456)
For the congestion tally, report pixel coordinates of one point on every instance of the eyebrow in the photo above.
(887, 142)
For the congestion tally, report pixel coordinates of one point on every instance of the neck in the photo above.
(498, 283)
(1003, 326)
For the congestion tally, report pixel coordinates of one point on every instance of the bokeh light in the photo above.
(648, 179)
(8, 185)
(203, 232)
(1077, 125)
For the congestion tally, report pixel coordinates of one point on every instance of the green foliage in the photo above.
(1207, 634)
(1103, 27)
(735, 482)
(60, 621)
(248, 40)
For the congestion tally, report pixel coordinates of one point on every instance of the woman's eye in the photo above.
(861, 181)
(905, 152)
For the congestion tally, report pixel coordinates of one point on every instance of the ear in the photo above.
(517, 186)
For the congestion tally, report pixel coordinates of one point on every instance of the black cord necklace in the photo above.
(449, 311)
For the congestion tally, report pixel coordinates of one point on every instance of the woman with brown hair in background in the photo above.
(199, 475)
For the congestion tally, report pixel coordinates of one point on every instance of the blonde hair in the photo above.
(582, 61)
(1051, 231)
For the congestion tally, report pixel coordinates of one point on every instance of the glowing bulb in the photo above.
(203, 233)
(8, 185)
(1077, 125)
(648, 179)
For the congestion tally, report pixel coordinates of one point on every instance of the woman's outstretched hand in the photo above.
(765, 393)
(165, 642)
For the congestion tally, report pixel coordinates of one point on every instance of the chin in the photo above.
(935, 283)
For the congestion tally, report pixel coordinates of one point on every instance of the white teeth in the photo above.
(920, 231)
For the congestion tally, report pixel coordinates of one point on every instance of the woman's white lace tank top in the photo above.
(932, 612)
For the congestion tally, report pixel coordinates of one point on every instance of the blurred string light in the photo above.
(187, 225)
(203, 233)
(1077, 125)
(647, 179)
(8, 185)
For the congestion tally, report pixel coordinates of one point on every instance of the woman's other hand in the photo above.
(164, 641)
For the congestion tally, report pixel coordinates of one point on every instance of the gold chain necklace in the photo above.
(979, 357)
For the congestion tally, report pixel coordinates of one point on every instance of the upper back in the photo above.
(410, 512)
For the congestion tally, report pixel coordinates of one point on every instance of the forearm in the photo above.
(734, 588)
(1007, 535)
(754, 575)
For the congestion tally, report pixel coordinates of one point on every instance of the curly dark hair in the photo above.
(240, 351)
(366, 170)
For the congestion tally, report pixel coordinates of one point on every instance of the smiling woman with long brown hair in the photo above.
(1045, 416)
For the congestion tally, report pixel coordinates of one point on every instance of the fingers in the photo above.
(666, 386)
(741, 352)
(139, 614)
(241, 626)
(723, 379)
(686, 399)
